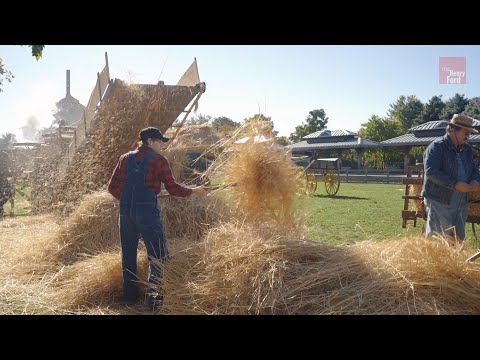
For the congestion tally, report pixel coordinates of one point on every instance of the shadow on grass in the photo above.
(341, 197)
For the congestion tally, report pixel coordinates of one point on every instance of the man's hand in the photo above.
(200, 191)
(476, 185)
(464, 187)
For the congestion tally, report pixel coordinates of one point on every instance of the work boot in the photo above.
(155, 302)
(127, 301)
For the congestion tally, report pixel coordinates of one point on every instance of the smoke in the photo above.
(31, 129)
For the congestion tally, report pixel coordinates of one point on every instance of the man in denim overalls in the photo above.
(136, 181)
(450, 173)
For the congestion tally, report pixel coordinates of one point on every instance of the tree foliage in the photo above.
(4, 74)
(7, 140)
(380, 129)
(317, 120)
(407, 110)
(199, 119)
(431, 110)
(473, 108)
(261, 117)
(283, 140)
(224, 124)
(455, 105)
(37, 51)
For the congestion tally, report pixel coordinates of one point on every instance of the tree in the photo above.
(4, 74)
(473, 108)
(380, 129)
(7, 75)
(7, 140)
(431, 110)
(407, 110)
(282, 140)
(199, 119)
(261, 117)
(224, 124)
(455, 105)
(317, 120)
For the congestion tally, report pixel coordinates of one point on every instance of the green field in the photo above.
(22, 206)
(358, 212)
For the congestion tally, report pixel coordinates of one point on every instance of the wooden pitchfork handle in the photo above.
(474, 257)
(209, 188)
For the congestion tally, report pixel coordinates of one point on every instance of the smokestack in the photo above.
(68, 82)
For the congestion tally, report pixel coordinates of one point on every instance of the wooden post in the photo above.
(108, 69)
(184, 119)
(85, 122)
(75, 136)
(406, 158)
(99, 87)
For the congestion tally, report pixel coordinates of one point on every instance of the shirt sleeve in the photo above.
(116, 181)
(433, 161)
(165, 176)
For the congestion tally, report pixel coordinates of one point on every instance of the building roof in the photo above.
(328, 133)
(424, 134)
(437, 125)
(349, 144)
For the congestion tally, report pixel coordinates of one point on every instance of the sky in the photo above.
(350, 82)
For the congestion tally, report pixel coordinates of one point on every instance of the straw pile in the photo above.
(265, 180)
(249, 260)
(114, 132)
(239, 271)
(95, 281)
(191, 140)
(46, 173)
(91, 229)
(192, 217)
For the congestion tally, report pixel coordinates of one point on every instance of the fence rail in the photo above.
(372, 176)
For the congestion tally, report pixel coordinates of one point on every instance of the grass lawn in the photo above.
(358, 212)
(22, 206)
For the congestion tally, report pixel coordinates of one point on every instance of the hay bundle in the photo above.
(430, 276)
(238, 270)
(115, 129)
(91, 229)
(95, 281)
(266, 180)
(189, 150)
(192, 217)
(416, 190)
(23, 256)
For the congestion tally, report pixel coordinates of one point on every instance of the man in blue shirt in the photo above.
(450, 173)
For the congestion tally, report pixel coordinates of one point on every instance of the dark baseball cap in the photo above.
(152, 133)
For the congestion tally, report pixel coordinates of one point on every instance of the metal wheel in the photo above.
(332, 181)
(311, 184)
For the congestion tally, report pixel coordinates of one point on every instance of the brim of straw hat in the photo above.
(471, 129)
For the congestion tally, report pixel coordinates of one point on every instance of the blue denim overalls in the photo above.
(139, 214)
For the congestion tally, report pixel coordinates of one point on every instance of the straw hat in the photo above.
(463, 121)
